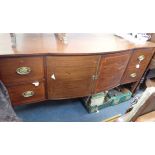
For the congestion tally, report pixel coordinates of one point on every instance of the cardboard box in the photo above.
(103, 100)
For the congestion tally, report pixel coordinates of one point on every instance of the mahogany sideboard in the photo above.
(38, 67)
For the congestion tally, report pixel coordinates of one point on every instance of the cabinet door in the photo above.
(112, 67)
(70, 76)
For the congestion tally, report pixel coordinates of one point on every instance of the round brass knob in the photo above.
(133, 75)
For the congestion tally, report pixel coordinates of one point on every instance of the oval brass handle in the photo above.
(133, 75)
(141, 57)
(28, 93)
(23, 70)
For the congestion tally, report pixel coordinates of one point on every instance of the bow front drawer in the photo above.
(27, 93)
(14, 70)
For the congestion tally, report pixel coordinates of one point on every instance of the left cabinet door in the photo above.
(70, 76)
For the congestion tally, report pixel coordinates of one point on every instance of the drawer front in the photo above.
(13, 70)
(26, 93)
(131, 75)
(141, 58)
(112, 67)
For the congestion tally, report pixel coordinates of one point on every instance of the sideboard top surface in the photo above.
(78, 43)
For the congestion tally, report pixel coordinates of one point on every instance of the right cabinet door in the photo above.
(137, 65)
(112, 67)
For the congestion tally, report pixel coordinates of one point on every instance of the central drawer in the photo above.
(15, 70)
(26, 93)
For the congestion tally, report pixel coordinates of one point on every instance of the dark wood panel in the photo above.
(131, 69)
(16, 93)
(9, 66)
(73, 76)
(111, 69)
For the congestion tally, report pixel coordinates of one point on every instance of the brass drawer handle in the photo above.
(23, 70)
(141, 57)
(133, 75)
(28, 93)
